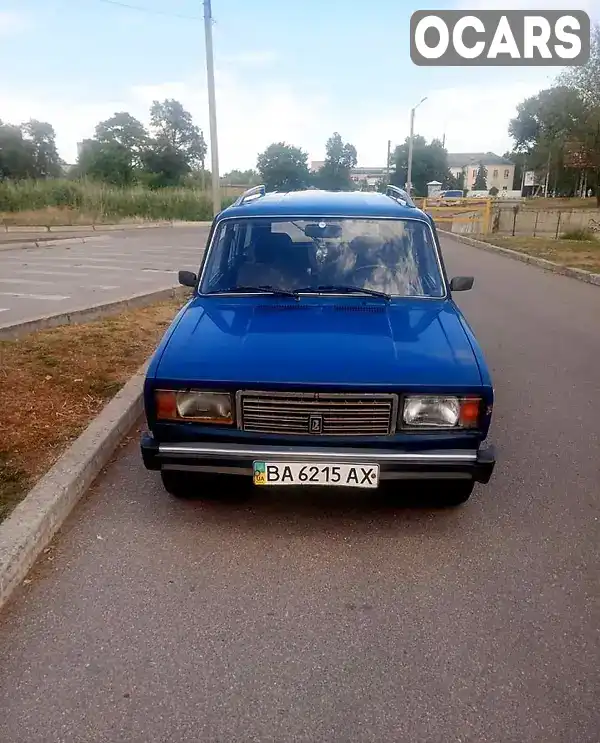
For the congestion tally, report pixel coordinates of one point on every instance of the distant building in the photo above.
(368, 177)
(364, 177)
(500, 171)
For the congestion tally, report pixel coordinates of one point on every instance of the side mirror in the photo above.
(462, 283)
(187, 278)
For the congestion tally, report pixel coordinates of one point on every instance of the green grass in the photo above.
(77, 201)
(581, 234)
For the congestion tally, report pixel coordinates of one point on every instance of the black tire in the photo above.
(179, 484)
(455, 492)
(195, 486)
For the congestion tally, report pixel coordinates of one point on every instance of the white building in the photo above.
(500, 171)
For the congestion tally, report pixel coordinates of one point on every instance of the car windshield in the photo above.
(396, 257)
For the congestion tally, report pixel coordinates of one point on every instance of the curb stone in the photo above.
(83, 227)
(57, 241)
(35, 521)
(574, 273)
(86, 314)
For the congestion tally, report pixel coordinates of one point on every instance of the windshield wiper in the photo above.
(263, 289)
(343, 289)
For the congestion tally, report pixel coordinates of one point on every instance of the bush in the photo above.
(104, 203)
(581, 233)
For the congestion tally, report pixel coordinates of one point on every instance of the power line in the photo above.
(151, 11)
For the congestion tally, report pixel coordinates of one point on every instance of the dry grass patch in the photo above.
(575, 253)
(53, 383)
(559, 203)
(57, 216)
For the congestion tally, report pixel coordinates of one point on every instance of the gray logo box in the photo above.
(556, 27)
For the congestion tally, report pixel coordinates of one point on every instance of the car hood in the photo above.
(349, 342)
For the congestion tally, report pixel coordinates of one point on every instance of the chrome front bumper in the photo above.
(237, 459)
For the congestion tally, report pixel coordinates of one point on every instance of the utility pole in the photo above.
(410, 145)
(212, 109)
(387, 166)
(547, 177)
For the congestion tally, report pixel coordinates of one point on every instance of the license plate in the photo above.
(302, 473)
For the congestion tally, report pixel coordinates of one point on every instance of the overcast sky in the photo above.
(287, 70)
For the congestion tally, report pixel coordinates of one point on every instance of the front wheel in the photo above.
(455, 492)
(195, 486)
(179, 485)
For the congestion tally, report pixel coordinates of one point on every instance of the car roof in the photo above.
(313, 203)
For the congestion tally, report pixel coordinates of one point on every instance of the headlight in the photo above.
(194, 405)
(431, 411)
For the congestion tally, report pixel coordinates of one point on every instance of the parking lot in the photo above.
(35, 282)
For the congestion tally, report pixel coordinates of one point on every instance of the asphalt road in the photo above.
(308, 617)
(52, 279)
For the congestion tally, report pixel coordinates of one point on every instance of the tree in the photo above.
(109, 162)
(174, 128)
(283, 167)
(340, 158)
(15, 155)
(430, 163)
(241, 178)
(583, 151)
(28, 151)
(176, 148)
(454, 183)
(116, 152)
(480, 183)
(40, 140)
(585, 80)
(543, 120)
(164, 166)
(543, 125)
(197, 178)
(127, 132)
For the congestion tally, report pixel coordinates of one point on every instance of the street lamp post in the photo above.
(212, 108)
(410, 145)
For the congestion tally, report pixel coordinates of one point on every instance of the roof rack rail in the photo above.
(398, 194)
(255, 191)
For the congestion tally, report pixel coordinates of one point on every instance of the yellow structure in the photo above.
(476, 212)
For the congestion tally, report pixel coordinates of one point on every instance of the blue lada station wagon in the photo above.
(321, 346)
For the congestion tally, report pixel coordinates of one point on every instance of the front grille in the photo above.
(317, 413)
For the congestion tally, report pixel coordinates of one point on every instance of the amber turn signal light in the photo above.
(166, 405)
(470, 408)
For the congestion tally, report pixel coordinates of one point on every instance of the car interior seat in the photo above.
(273, 262)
